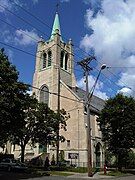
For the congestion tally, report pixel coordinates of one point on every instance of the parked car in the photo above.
(12, 165)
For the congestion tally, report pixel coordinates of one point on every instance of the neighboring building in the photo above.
(51, 55)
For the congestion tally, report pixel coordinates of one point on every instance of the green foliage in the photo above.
(11, 98)
(130, 160)
(44, 126)
(47, 122)
(22, 118)
(117, 123)
(38, 124)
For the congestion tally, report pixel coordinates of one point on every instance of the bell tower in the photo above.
(52, 55)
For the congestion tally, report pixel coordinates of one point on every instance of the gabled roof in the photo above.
(56, 26)
(96, 104)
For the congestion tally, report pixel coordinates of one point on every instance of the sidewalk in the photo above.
(95, 176)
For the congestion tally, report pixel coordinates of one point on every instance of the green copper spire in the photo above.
(56, 26)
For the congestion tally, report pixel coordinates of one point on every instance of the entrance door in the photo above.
(98, 154)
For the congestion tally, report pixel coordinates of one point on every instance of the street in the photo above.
(69, 178)
(21, 176)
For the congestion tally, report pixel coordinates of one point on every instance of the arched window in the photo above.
(44, 95)
(98, 154)
(44, 60)
(66, 61)
(61, 59)
(49, 58)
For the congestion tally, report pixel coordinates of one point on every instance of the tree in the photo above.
(38, 125)
(24, 133)
(117, 123)
(44, 126)
(47, 123)
(11, 98)
(22, 118)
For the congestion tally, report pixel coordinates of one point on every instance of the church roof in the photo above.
(56, 26)
(97, 103)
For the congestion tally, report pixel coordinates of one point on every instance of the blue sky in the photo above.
(104, 26)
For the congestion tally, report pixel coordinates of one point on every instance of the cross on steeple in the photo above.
(57, 7)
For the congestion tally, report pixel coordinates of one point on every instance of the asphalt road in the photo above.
(68, 178)
(22, 176)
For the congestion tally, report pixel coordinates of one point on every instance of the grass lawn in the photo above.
(115, 173)
(60, 173)
(78, 169)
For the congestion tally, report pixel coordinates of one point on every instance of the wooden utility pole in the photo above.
(58, 111)
(85, 65)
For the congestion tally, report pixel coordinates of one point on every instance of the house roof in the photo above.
(96, 104)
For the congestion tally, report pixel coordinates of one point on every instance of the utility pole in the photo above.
(58, 111)
(85, 65)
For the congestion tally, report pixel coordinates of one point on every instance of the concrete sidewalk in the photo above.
(95, 176)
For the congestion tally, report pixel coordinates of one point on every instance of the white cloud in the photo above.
(93, 3)
(29, 92)
(113, 37)
(10, 54)
(25, 37)
(6, 35)
(5, 3)
(126, 91)
(10, 5)
(91, 81)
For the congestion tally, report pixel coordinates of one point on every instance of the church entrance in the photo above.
(98, 155)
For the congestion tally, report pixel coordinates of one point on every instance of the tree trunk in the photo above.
(57, 147)
(22, 153)
(119, 162)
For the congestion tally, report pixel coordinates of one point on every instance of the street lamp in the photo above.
(103, 66)
(88, 100)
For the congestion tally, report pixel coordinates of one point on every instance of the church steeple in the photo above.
(56, 26)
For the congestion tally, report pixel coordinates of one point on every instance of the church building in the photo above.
(54, 74)
(54, 65)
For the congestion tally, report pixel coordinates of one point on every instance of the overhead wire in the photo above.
(28, 52)
(56, 94)
(28, 34)
(27, 22)
(31, 24)
(42, 22)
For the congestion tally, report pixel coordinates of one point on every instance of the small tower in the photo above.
(51, 55)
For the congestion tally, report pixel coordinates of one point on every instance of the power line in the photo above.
(37, 18)
(56, 94)
(27, 22)
(30, 25)
(120, 67)
(122, 81)
(31, 53)
(19, 30)
(13, 47)
(42, 22)
(47, 26)
(43, 32)
(37, 56)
